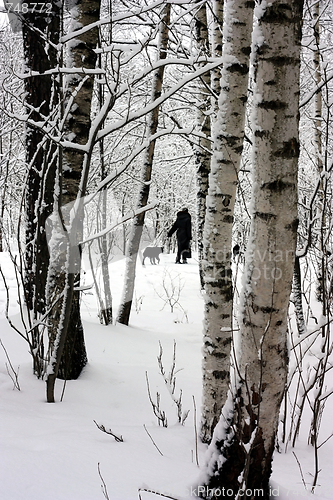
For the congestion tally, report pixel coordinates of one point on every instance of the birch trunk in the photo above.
(68, 353)
(202, 152)
(105, 314)
(321, 212)
(41, 158)
(136, 232)
(243, 445)
(40, 56)
(297, 297)
(82, 55)
(228, 145)
(317, 96)
(297, 285)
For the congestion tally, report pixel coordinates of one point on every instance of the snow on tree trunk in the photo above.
(65, 327)
(228, 145)
(77, 127)
(40, 56)
(202, 152)
(41, 95)
(243, 443)
(138, 222)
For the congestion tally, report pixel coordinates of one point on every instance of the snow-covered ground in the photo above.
(52, 451)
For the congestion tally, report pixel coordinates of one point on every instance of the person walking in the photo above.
(183, 226)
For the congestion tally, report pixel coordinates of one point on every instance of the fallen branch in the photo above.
(101, 427)
(155, 493)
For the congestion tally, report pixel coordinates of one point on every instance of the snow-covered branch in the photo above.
(151, 106)
(127, 217)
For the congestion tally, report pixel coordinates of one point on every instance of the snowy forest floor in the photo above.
(52, 451)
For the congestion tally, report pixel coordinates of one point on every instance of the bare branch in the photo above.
(101, 427)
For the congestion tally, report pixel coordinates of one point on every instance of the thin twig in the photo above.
(155, 493)
(321, 444)
(103, 485)
(300, 469)
(159, 414)
(145, 428)
(101, 427)
(195, 431)
(170, 382)
(15, 377)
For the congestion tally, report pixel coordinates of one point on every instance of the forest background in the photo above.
(117, 115)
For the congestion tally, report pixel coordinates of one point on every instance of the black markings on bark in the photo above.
(212, 305)
(268, 310)
(246, 50)
(290, 149)
(226, 200)
(220, 355)
(277, 186)
(282, 61)
(277, 13)
(265, 216)
(220, 374)
(241, 69)
(227, 340)
(293, 226)
(228, 218)
(272, 105)
(261, 133)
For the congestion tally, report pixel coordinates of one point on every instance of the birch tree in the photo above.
(243, 443)
(223, 178)
(135, 236)
(203, 150)
(40, 33)
(68, 353)
(314, 14)
(105, 314)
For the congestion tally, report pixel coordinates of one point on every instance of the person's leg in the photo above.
(183, 255)
(178, 255)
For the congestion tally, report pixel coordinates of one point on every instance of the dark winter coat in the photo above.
(183, 227)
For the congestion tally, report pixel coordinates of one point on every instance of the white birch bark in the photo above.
(228, 145)
(137, 228)
(202, 152)
(65, 331)
(243, 445)
(217, 41)
(320, 209)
